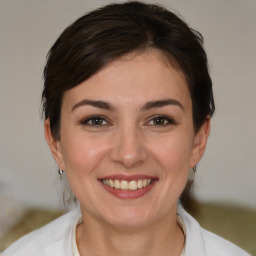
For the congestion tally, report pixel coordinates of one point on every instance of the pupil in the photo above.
(159, 121)
(97, 121)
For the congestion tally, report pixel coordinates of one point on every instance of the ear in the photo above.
(200, 142)
(54, 145)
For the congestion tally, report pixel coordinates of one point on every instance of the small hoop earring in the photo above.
(194, 169)
(60, 172)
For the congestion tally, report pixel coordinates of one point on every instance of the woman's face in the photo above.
(127, 140)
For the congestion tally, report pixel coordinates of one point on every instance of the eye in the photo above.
(94, 121)
(161, 121)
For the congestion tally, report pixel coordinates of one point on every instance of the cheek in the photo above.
(81, 154)
(173, 154)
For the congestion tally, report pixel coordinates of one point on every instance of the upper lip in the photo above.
(128, 177)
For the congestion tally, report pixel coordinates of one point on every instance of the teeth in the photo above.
(117, 184)
(133, 185)
(127, 185)
(124, 184)
(111, 183)
(140, 184)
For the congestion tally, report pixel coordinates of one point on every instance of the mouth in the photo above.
(128, 187)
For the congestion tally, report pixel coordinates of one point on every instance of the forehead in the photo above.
(134, 78)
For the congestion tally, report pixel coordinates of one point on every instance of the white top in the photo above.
(58, 239)
(79, 220)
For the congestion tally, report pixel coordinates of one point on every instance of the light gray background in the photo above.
(27, 30)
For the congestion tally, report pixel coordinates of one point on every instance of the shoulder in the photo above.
(200, 242)
(216, 245)
(55, 236)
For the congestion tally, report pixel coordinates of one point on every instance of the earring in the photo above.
(60, 172)
(191, 174)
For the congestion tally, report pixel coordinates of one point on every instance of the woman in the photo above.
(127, 102)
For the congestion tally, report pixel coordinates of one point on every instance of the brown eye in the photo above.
(95, 121)
(161, 121)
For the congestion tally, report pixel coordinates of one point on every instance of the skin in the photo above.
(128, 140)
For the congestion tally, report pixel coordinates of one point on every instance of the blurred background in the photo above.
(225, 191)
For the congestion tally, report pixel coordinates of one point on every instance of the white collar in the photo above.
(79, 220)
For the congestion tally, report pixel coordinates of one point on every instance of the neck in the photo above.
(164, 237)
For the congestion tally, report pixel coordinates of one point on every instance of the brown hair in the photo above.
(108, 33)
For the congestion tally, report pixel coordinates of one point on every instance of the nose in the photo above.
(129, 148)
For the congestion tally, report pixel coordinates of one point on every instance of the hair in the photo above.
(110, 32)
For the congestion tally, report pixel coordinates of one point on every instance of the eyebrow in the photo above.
(94, 103)
(161, 103)
(107, 106)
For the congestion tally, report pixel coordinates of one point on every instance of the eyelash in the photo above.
(94, 118)
(166, 121)
(161, 119)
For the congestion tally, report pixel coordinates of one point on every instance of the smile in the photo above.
(127, 185)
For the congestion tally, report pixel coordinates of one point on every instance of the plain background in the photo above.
(28, 28)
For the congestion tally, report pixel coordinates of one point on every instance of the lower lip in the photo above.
(128, 194)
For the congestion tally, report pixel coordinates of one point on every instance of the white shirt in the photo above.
(58, 239)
